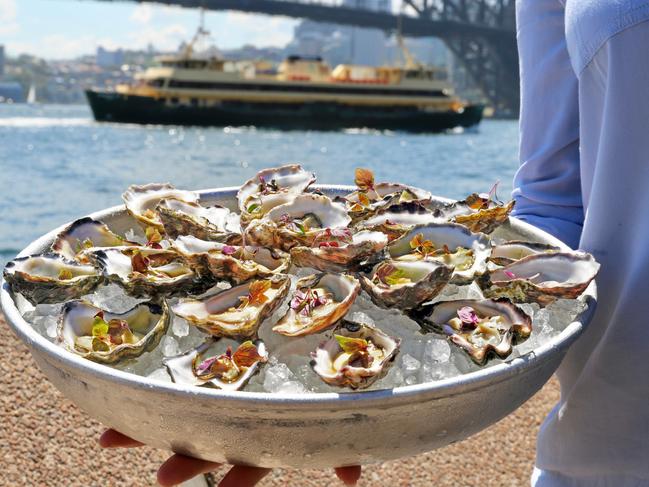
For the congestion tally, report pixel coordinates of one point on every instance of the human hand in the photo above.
(179, 468)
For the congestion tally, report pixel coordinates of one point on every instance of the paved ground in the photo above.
(46, 441)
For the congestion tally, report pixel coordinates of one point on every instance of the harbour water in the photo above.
(57, 164)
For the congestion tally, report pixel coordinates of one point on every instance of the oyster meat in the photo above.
(50, 278)
(297, 223)
(541, 278)
(147, 271)
(405, 284)
(207, 223)
(271, 187)
(356, 356)
(508, 252)
(211, 365)
(318, 302)
(448, 243)
(141, 201)
(237, 312)
(480, 327)
(101, 336)
(339, 250)
(234, 263)
(84, 234)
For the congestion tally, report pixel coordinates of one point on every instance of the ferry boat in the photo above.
(302, 93)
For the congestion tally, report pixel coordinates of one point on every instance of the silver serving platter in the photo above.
(310, 430)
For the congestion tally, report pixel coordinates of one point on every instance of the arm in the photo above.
(547, 186)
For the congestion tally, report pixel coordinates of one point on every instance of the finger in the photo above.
(179, 468)
(114, 439)
(349, 475)
(240, 476)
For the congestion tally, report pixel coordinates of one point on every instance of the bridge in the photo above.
(479, 33)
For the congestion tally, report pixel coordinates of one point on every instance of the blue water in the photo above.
(57, 164)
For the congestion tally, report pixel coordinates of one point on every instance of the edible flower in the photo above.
(364, 179)
(350, 344)
(247, 355)
(228, 250)
(509, 274)
(256, 294)
(139, 263)
(422, 247)
(468, 316)
(305, 301)
(391, 275)
(333, 237)
(153, 237)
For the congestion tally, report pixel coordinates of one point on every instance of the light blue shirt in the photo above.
(584, 177)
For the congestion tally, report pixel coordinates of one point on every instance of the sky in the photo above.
(64, 29)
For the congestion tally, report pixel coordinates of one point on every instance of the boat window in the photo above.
(155, 82)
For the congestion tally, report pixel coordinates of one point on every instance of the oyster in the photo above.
(83, 234)
(105, 337)
(338, 250)
(146, 271)
(318, 302)
(237, 312)
(508, 252)
(398, 219)
(448, 243)
(541, 278)
(234, 263)
(297, 223)
(225, 370)
(405, 285)
(50, 278)
(371, 197)
(141, 201)
(208, 223)
(480, 327)
(356, 356)
(478, 212)
(271, 187)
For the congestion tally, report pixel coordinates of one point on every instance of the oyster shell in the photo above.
(339, 250)
(141, 201)
(234, 369)
(478, 212)
(237, 312)
(105, 337)
(50, 278)
(146, 271)
(480, 327)
(297, 223)
(318, 302)
(398, 219)
(234, 263)
(405, 285)
(382, 197)
(448, 243)
(356, 356)
(271, 187)
(208, 223)
(508, 252)
(83, 234)
(541, 278)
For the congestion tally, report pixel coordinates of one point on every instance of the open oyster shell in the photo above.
(318, 302)
(271, 187)
(141, 201)
(382, 197)
(448, 243)
(409, 283)
(147, 323)
(477, 212)
(234, 263)
(184, 369)
(297, 223)
(208, 223)
(83, 234)
(237, 312)
(332, 254)
(353, 363)
(492, 336)
(398, 219)
(50, 278)
(541, 278)
(509, 252)
(146, 271)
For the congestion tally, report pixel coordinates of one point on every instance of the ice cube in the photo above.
(276, 376)
(160, 374)
(410, 364)
(360, 317)
(169, 346)
(437, 350)
(179, 326)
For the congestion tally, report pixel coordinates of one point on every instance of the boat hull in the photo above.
(121, 108)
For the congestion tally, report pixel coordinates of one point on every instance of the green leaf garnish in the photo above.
(398, 276)
(98, 345)
(351, 345)
(99, 327)
(253, 208)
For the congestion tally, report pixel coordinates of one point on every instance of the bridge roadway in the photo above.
(337, 14)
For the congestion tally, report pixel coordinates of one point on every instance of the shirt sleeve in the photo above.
(547, 186)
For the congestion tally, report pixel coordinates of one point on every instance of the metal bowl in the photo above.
(295, 430)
